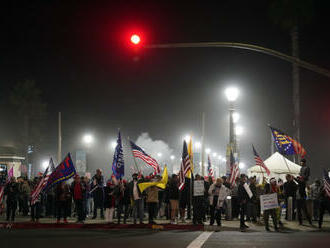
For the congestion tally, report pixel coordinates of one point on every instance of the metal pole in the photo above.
(249, 47)
(136, 166)
(295, 81)
(203, 143)
(59, 148)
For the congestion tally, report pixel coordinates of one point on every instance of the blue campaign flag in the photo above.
(62, 172)
(118, 166)
(283, 143)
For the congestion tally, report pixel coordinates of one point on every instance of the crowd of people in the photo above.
(120, 200)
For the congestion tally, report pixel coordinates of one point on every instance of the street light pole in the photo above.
(249, 47)
(59, 148)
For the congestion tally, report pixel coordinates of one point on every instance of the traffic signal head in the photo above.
(135, 39)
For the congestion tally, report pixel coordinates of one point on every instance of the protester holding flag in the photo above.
(152, 200)
(124, 200)
(110, 195)
(97, 189)
(137, 197)
(36, 202)
(11, 190)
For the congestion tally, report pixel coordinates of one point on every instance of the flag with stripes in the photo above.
(287, 145)
(41, 185)
(185, 166)
(2, 192)
(209, 167)
(259, 161)
(234, 169)
(326, 181)
(139, 153)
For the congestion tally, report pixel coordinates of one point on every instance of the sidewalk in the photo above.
(162, 224)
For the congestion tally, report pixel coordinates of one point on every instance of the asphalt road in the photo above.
(157, 239)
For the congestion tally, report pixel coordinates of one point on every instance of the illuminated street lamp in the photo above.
(232, 94)
(235, 117)
(241, 165)
(113, 144)
(239, 130)
(44, 164)
(208, 150)
(172, 157)
(88, 139)
(159, 154)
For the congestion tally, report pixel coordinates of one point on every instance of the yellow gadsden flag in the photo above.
(190, 152)
(160, 184)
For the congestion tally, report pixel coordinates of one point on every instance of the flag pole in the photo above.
(136, 166)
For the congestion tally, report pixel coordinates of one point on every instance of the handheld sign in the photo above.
(198, 188)
(268, 201)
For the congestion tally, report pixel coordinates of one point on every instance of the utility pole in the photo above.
(203, 143)
(59, 147)
(295, 81)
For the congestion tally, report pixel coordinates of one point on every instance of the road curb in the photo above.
(164, 227)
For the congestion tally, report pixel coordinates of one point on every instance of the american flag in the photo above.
(2, 191)
(139, 153)
(234, 171)
(287, 145)
(209, 167)
(185, 166)
(41, 185)
(326, 181)
(259, 161)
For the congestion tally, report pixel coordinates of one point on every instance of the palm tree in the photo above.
(290, 15)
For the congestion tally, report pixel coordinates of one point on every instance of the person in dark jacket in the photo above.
(324, 205)
(198, 203)
(173, 192)
(97, 188)
(269, 189)
(290, 189)
(243, 199)
(110, 195)
(11, 190)
(252, 202)
(301, 200)
(305, 171)
(124, 200)
(62, 195)
(78, 190)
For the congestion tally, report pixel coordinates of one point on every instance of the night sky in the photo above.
(79, 56)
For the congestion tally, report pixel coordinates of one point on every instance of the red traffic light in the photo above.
(135, 39)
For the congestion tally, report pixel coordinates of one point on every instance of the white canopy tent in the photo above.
(277, 167)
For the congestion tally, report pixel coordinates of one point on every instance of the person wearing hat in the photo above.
(304, 170)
